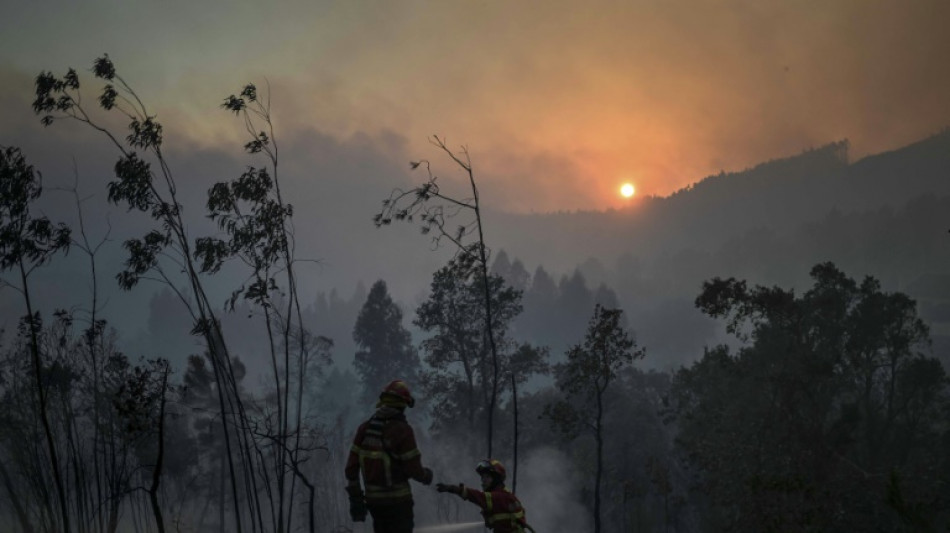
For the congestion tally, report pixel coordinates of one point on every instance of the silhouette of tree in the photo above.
(513, 272)
(585, 377)
(572, 307)
(251, 210)
(539, 300)
(256, 222)
(459, 383)
(435, 211)
(154, 192)
(26, 243)
(200, 395)
(385, 351)
(501, 266)
(827, 397)
(110, 426)
(140, 403)
(605, 297)
(338, 393)
(526, 361)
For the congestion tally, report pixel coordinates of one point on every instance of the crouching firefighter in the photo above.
(384, 451)
(500, 507)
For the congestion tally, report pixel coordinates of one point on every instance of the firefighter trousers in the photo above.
(391, 517)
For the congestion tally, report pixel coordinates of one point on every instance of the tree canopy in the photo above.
(828, 406)
(384, 346)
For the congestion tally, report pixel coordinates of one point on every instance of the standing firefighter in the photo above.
(385, 451)
(501, 509)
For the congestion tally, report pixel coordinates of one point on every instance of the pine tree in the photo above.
(384, 347)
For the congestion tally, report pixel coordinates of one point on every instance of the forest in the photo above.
(818, 404)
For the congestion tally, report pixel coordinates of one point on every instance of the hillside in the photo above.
(779, 195)
(884, 215)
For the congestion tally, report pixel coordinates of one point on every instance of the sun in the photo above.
(627, 190)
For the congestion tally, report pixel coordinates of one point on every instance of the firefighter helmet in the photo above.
(398, 390)
(492, 467)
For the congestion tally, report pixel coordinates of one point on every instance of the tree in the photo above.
(461, 383)
(526, 361)
(590, 370)
(256, 221)
(201, 397)
(143, 188)
(140, 402)
(574, 303)
(435, 210)
(828, 398)
(540, 301)
(252, 212)
(110, 426)
(513, 272)
(385, 351)
(27, 243)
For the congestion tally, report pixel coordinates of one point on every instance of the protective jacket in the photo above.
(384, 451)
(501, 509)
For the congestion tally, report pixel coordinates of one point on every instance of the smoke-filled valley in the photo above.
(764, 350)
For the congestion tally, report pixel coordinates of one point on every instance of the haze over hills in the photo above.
(780, 195)
(884, 215)
(764, 138)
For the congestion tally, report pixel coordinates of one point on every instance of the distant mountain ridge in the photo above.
(886, 216)
(779, 195)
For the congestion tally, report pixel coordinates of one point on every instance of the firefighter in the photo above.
(501, 509)
(384, 451)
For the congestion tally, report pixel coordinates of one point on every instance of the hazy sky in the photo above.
(558, 101)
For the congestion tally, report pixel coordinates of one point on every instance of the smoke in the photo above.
(547, 487)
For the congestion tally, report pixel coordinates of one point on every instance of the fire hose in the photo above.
(448, 528)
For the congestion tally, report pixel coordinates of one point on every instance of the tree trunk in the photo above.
(600, 460)
(157, 473)
(221, 494)
(44, 416)
(312, 491)
(490, 329)
(222, 392)
(514, 401)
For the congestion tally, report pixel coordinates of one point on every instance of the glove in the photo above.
(357, 509)
(427, 477)
(454, 489)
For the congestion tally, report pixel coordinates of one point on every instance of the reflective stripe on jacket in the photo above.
(502, 510)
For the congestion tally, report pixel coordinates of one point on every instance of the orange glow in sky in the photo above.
(553, 101)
